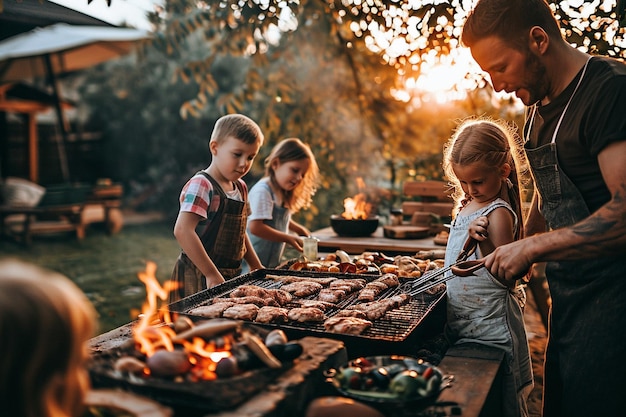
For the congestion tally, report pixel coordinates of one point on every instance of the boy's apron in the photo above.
(270, 252)
(223, 239)
(585, 366)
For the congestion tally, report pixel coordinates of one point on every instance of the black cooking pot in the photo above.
(353, 227)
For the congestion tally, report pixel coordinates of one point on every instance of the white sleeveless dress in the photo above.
(482, 310)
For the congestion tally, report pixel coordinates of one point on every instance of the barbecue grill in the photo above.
(194, 398)
(400, 331)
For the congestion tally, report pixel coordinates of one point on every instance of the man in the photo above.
(575, 140)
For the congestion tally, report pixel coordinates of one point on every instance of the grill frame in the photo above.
(400, 331)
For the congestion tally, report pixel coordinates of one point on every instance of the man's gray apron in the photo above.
(585, 367)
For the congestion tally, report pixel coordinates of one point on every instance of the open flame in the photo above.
(357, 207)
(153, 331)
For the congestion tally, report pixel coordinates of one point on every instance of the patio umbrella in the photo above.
(60, 49)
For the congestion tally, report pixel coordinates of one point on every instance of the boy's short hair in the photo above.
(237, 126)
(509, 20)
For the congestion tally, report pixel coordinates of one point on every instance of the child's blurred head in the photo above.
(239, 127)
(45, 322)
(298, 181)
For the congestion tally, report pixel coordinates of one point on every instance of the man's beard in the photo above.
(535, 79)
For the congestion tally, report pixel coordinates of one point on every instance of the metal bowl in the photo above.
(353, 227)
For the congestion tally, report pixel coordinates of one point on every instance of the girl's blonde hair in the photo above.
(45, 322)
(492, 143)
(293, 149)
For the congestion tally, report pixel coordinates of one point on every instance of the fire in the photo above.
(357, 207)
(154, 332)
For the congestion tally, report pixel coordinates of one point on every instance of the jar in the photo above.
(396, 218)
(309, 248)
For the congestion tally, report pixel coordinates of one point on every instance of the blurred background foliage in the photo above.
(333, 73)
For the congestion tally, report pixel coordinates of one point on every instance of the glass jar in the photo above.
(396, 217)
(309, 248)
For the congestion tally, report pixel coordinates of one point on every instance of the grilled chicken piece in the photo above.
(250, 299)
(249, 290)
(332, 295)
(371, 291)
(377, 309)
(347, 325)
(391, 280)
(241, 312)
(354, 284)
(288, 279)
(306, 314)
(282, 297)
(211, 311)
(270, 314)
(322, 305)
(302, 288)
(351, 313)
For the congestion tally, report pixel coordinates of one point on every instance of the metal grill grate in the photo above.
(395, 326)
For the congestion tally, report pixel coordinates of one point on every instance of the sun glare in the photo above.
(442, 79)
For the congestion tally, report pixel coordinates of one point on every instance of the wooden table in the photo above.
(477, 386)
(329, 241)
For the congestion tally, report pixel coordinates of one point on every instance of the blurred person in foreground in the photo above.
(214, 207)
(45, 323)
(575, 142)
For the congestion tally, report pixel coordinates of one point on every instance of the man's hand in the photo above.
(510, 262)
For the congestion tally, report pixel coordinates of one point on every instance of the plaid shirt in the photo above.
(196, 195)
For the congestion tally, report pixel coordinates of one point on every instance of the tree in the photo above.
(325, 71)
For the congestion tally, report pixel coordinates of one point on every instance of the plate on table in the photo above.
(390, 382)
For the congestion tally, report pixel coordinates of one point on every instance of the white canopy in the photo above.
(70, 48)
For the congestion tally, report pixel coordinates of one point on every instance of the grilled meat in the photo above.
(287, 279)
(347, 325)
(302, 288)
(250, 299)
(351, 313)
(270, 314)
(281, 296)
(241, 312)
(211, 311)
(322, 305)
(249, 290)
(306, 314)
(332, 295)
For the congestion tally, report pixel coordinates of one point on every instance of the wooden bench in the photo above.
(103, 205)
(22, 223)
(427, 196)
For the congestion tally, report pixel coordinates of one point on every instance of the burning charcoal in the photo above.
(287, 352)
(130, 365)
(227, 367)
(182, 324)
(168, 364)
(275, 337)
(208, 329)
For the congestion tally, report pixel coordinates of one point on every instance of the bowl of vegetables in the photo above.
(390, 382)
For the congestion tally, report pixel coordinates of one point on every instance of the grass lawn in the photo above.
(105, 267)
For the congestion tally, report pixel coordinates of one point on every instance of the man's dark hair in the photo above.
(509, 20)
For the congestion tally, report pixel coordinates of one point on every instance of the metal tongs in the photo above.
(461, 268)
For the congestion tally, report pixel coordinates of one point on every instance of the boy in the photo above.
(211, 223)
